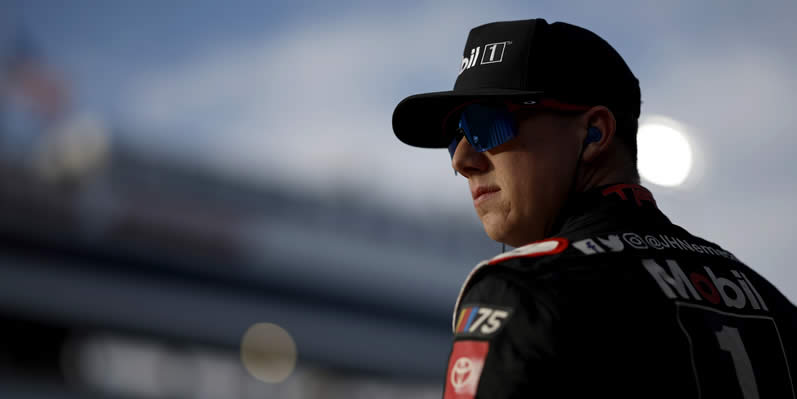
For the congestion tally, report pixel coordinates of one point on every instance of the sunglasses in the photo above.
(487, 125)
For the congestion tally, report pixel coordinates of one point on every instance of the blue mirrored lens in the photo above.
(452, 146)
(487, 126)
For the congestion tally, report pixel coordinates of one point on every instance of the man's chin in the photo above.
(500, 232)
(496, 232)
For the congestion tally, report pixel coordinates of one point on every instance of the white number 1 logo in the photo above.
(492, 53)
(730, 341)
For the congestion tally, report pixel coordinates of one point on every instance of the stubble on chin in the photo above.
(496, 223)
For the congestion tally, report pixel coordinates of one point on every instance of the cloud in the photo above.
(313, 106)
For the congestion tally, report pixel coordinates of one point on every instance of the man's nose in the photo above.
(467, 161)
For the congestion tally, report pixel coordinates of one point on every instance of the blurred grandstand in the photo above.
(179, 260)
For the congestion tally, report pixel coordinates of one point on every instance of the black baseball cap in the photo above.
(526, 61)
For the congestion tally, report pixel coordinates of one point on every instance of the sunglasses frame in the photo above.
(512, 107)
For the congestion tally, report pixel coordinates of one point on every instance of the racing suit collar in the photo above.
(632, 203)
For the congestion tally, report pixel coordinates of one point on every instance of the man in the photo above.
(603, 297)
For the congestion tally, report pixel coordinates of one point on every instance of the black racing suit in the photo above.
(621, 303)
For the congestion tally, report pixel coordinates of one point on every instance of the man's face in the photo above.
(519, 186)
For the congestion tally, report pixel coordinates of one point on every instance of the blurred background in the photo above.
(205, 199)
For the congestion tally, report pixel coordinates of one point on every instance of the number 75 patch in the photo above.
(482, 321)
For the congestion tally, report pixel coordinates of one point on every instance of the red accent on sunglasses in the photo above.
(545, 103)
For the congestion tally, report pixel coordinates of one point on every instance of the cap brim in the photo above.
(425, 120)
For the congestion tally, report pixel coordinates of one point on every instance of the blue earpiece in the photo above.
(593, 135)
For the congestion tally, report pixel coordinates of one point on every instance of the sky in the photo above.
(300, 93)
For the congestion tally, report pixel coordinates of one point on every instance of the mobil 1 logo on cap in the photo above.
(491, 54)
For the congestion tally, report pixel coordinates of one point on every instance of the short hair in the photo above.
(626, 132)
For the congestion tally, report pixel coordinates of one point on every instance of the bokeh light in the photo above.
(664, 153)
(268, 352)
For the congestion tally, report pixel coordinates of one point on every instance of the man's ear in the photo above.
(600, 120)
